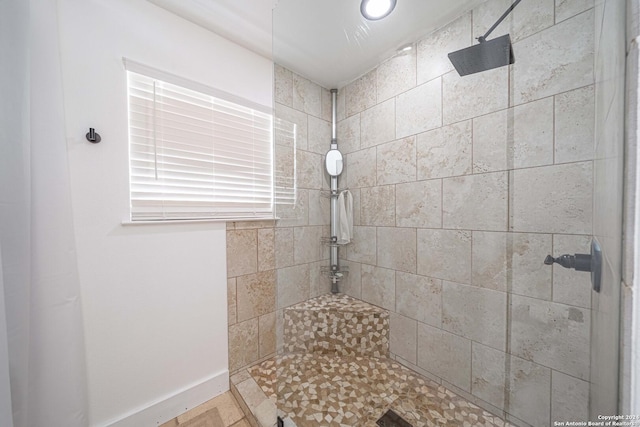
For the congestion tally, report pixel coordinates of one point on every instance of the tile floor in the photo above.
(221, 411)
(319, 390)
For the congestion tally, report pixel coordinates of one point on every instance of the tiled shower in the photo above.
(461, 185)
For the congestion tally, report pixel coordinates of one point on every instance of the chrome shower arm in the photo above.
(493, 27)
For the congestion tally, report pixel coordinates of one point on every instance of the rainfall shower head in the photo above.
(483, 56)
(487, 54)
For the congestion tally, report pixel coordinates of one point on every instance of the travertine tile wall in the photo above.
(462, 185)
(274, 264)
(251, 292)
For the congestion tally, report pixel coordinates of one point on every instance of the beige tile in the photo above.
(377, 207)
(301, 125)
(419, 204)
(326, 104)
(256, 294)
(445, 355)
(526, 19)
(247, 225)
(419, 109)
(210, 418)
(295, 214)
(348, 132)
(248, 415)
(242, 252)
(232, 308)
(403, 337)
(357, 203)
(569, 397)
(283, 85)
(239, 377)
(533, 134)
(363, 246)
(267, 334)
(567, 8)
(171, 423)
(257, 402)
(445, 254)
(396, 161)
(537, 326)
(307, 96)
(474, 95)
(491, 135)
(530, 387)
(433, 49)
(489, 258)
(540, 204)
(378, 286)
(319, 135)
(286, 133)
(378, 124)
(228, 408)
(284, 172)
(396, 75)
(574, 125)
(397, 248)
(555, 60)
(319, 282)
(361, 168)
(243, 344)
(445, 151)
(283, 247)
(570, 286)
(477, 202)
(419, 298)
(319, 208)
(529, 277)
(475, 313)
(361, 94)
(280, 331)
(309, 169)
(307, 243)
(352, 282)
(293, 285)
(488, 366)
(361, 397)
(341, 108)
(266, 249)
(242, 423)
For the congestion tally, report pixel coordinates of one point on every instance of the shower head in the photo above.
(486, 55)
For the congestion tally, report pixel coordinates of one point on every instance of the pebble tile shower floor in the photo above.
(330, 385)
(337, 391)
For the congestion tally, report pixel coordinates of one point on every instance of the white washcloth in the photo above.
(344, 227)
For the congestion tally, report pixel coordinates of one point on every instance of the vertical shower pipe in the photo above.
(335, 268)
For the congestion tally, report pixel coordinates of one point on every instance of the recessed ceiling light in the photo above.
(376, 9)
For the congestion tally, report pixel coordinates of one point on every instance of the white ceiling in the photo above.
(326, 41)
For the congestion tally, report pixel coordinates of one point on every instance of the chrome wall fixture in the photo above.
(334, 165)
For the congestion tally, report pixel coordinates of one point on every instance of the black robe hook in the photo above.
(93, 136)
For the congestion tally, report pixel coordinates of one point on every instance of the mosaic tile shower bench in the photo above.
(338, 325)
(335, 372)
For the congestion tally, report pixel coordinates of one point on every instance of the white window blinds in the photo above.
(196, 156)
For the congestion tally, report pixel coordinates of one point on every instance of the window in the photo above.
(195, 154)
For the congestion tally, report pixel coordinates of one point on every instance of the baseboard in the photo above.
(164, 410)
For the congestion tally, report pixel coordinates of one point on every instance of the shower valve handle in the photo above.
(581, 262)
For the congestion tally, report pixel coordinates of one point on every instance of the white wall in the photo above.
(154, 297)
